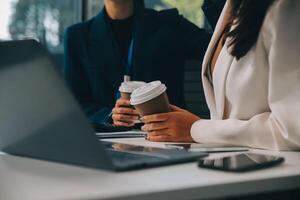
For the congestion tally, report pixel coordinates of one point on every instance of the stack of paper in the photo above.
(124, 134)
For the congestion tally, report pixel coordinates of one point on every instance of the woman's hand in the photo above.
(123, 114)
(174, 126)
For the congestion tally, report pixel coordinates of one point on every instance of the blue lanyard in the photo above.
(129, 62)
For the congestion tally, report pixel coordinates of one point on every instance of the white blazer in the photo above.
(260, 91)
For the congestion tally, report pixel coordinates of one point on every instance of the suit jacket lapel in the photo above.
(215, 95)
(219, 80)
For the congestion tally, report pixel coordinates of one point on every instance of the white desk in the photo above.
(23, 178)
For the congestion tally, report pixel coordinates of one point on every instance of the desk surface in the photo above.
(24, 178)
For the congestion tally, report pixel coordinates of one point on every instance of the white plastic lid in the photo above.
(130, 86)
(147, 92)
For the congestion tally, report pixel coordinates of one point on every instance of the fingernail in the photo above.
(141, 119)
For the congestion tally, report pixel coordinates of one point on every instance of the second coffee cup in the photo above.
(151, 98)
(128, 87)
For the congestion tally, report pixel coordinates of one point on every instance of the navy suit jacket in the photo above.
(163, 42)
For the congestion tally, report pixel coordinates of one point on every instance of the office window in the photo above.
(94, 7)
(190, 9)
(43, 20)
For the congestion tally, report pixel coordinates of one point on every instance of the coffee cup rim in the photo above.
(138, 98)
(130, 86)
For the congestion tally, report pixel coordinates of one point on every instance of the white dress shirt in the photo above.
(260, 91)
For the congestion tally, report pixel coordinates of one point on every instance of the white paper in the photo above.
(122, 134)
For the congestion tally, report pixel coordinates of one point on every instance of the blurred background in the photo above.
(46, 20)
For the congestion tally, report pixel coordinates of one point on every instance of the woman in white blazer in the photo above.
(253, 96)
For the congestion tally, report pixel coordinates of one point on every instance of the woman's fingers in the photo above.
(155, 126)
(175, 108)
(176, 127)
(160, 136)
(155, 118)
(160, 132)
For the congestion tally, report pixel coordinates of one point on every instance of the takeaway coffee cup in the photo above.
(128, 87)
(150, 98)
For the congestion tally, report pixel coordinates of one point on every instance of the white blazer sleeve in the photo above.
(278, 129)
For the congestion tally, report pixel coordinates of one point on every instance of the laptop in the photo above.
(39, 118)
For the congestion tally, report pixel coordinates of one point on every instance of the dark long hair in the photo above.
(247, 17)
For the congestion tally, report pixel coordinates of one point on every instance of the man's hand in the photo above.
(174, 126)
(123, 114)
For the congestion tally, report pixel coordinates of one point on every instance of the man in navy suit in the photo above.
(125, 38)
